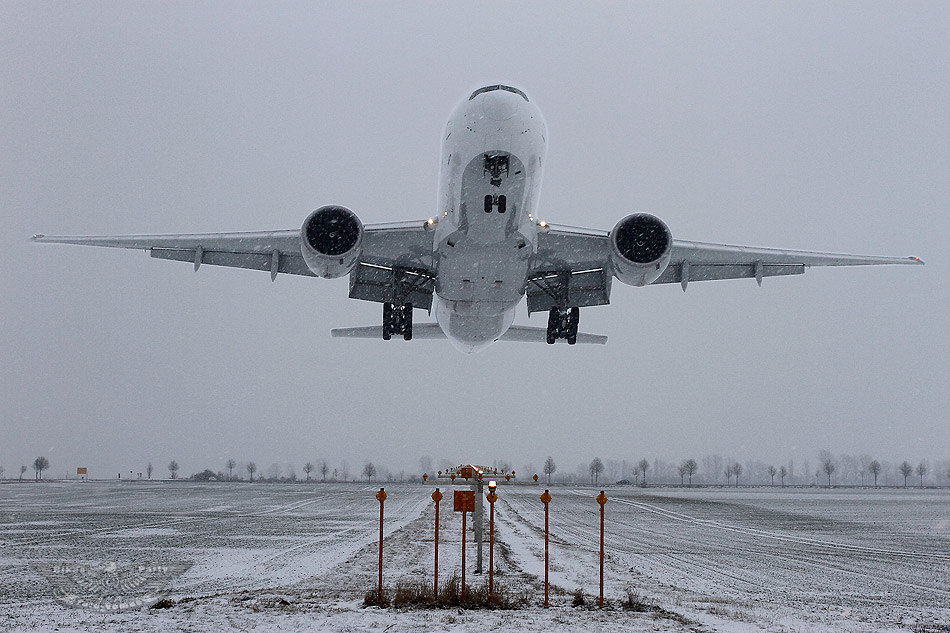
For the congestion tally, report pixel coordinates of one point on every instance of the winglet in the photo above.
(916, 260)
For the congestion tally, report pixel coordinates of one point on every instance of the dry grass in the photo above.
(417, 594)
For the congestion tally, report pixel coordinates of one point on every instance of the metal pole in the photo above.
(546, 498)
(381, 495)
(602, 499)
(436, 496)
(492, 497)
(601, 555)
(463, 554)
(491, 551)
(479, 535)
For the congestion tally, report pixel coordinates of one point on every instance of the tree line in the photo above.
(829, 470)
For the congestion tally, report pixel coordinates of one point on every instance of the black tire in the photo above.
(387, 321)
(554, 321)
(407, 322)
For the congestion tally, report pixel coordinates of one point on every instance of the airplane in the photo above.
(485, 249)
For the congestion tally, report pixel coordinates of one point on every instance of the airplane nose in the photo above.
(500, 106)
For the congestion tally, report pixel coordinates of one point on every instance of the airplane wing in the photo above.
(384, 247)
(578, 259)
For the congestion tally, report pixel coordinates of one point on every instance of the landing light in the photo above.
(542, 224)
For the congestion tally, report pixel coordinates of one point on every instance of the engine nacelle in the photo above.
(331, 241)
(640, 249)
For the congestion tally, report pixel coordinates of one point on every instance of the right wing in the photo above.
(385, 247)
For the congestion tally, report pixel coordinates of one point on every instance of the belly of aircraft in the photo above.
(483, 263)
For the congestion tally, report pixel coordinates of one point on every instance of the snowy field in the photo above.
(300, 557)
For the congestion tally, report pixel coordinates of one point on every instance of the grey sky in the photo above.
(819, 126)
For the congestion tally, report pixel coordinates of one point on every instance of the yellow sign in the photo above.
(80, 471)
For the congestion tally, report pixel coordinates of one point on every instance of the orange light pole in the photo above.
(381, 495)
(436, 496)
(492, 497)
(546, 499)
(463, 554)
(602, 500)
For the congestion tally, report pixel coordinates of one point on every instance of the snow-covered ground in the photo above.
(301, 556)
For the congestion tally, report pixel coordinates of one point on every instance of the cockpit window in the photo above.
(498, 87)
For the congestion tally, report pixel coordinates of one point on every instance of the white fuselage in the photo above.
(493, 151)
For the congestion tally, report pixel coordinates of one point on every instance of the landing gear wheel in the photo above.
(573, 320)
(397, 319)
(562, 323)
(554, 321)
(387, 321)
(407, 322)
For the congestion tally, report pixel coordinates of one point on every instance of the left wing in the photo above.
(577, 261)
(385, 246)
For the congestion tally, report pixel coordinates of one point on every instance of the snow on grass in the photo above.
(301, 557)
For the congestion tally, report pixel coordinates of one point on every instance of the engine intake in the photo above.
(331, 241)
(640, 249)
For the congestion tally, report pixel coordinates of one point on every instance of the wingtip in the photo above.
(916, 260)
(36, 237)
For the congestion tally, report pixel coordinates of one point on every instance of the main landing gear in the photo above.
(562, 323)
(397, 319)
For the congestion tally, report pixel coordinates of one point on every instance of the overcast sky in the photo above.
(820, 126)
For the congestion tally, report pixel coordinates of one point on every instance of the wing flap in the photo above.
(287, 264)
(712, 272)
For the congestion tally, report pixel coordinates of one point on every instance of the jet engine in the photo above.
(331, 241)
(640, 249)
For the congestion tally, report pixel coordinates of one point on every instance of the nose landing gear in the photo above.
(562, 323)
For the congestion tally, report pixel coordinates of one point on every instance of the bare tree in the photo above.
(149, 469)
(251, 469)
(828, 466)
(549, 467)
(324, 469)
(308, 468)
(691, 468)
(23, 469)
(596, 467)
(369, 471)
(173, 469)
(875, 468)
(644, 465)
(905, 469)
(636, 475)
(2, 470)
(728, 473)
(230, 464)
(737, 470)
(681, 469)
(772, 471)
(921, 471)
(39, 465)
